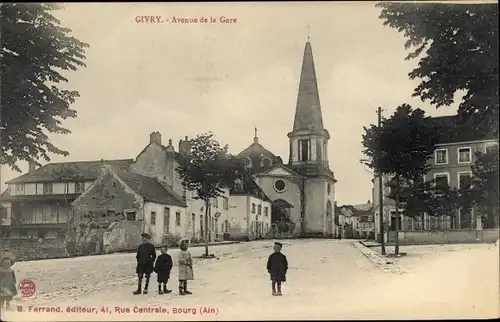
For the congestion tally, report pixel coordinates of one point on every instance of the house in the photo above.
(302, 191)
(357, 221)
(451, 165)
(135, 203)
(249, 215)
(37, 204)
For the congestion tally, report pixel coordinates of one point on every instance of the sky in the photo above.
(186, 79)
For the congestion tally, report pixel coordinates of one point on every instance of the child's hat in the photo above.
(278, 244)
(9, 256)
(146, 235)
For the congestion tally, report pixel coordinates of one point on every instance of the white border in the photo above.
(470, 155)
(441, 174)
(270, 162)
(458, 176)
(447, 157)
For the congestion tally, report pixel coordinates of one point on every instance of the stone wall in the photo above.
(122, 235)
(446, 236)
(33, 249)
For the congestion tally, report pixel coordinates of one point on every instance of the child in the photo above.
(277, 265)
(146, 255)
(8, 287)
(163, 266)
(185, 268)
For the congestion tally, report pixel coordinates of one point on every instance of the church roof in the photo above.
(255, 149)
(308, 110)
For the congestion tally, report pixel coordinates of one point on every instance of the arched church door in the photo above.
(329, 218)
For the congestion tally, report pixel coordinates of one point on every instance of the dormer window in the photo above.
(266, 162)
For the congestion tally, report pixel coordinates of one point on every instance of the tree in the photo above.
(485, 186)
(401, 148)
(208, 169)
(460, 42)
(36, 51)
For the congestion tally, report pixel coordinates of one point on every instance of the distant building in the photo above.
(38, 204)
(451, 164)
(357, 221)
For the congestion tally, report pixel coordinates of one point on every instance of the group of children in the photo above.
(8, 287)
(277, 266)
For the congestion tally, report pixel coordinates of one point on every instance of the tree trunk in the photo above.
(396, 233)
(207, 208)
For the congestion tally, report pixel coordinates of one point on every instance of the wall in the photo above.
(31, 249)
(6, 221)
(291, 194)
(152, 162)
(255, 219)
(444, 237)
(315, 216)
(125, 235)
(157, 231)
(239, 209)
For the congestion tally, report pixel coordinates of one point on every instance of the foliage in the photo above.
(402, 145)
(208, 169)
(36, 51)
(485, 185)
(458, 49)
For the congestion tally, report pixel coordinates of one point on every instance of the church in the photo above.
(303, 190)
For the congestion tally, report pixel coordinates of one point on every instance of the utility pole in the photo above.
(380, 191)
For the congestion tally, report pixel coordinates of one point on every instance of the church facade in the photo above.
(303, 190)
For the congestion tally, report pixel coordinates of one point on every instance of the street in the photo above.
(327, 279)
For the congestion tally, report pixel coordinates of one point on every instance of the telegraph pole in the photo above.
(380, 191)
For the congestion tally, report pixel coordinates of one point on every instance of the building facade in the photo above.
(451, 165)
(303, 190)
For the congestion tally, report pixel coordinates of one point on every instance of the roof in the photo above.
(312, 170)
(52, 197)
(308, 110)
(357, 210)
(87, 170)
(249, 187)
(150, 189)
(452, 130)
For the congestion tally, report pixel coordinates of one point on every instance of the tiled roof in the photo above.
(451, 130)
(88, 170)
(150, 189)
(249, 187)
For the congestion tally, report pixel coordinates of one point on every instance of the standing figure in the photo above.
(185, 268)
(163, 266)
(8, 287)
(146, 255)
(277, 265)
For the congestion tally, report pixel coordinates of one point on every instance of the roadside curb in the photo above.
(386, 264)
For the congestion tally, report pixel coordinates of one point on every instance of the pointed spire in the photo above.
(255, 138)
(308, 111)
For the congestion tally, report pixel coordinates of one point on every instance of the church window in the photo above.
(253, 208)
(329, 188)
(266, 162)
(304, 150)
(279, 185)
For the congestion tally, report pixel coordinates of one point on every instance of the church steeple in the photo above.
(308, 109)
(308, 139)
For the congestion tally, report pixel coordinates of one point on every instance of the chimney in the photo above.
(181, 147)
(155, 137)
(184, 146)
(170, 147)
(31, 166)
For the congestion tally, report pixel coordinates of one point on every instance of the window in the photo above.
(441, 156)
(20, 189)
(304, 150)
(47, 188)
(166, 220)
(153, 218)
(442, 181)
(79, 187)
(464, 155)
(266, 162)
(42, 234)
(491, 147)
(279, 185)
(3, 213)
(225, 203)
(259, 210)
(201, 225)
(193, 223)
(328, 188)
(266, 211)
(216, 226)
(177, 218)
(464, 180)
(131, 216)
(253, 208)
(215, 202)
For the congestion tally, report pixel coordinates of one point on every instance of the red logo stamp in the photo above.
(27, 288)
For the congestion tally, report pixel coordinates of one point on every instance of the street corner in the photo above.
(388, 265)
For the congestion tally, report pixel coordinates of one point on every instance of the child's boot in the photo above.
(279, 289)
(139, 287)
(185, 289)
(146, 285)
(159, 289)
(165, 290)
(181, 288)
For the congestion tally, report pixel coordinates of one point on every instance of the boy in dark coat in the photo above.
(146, 255)
(277, 265)
(163, 266)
